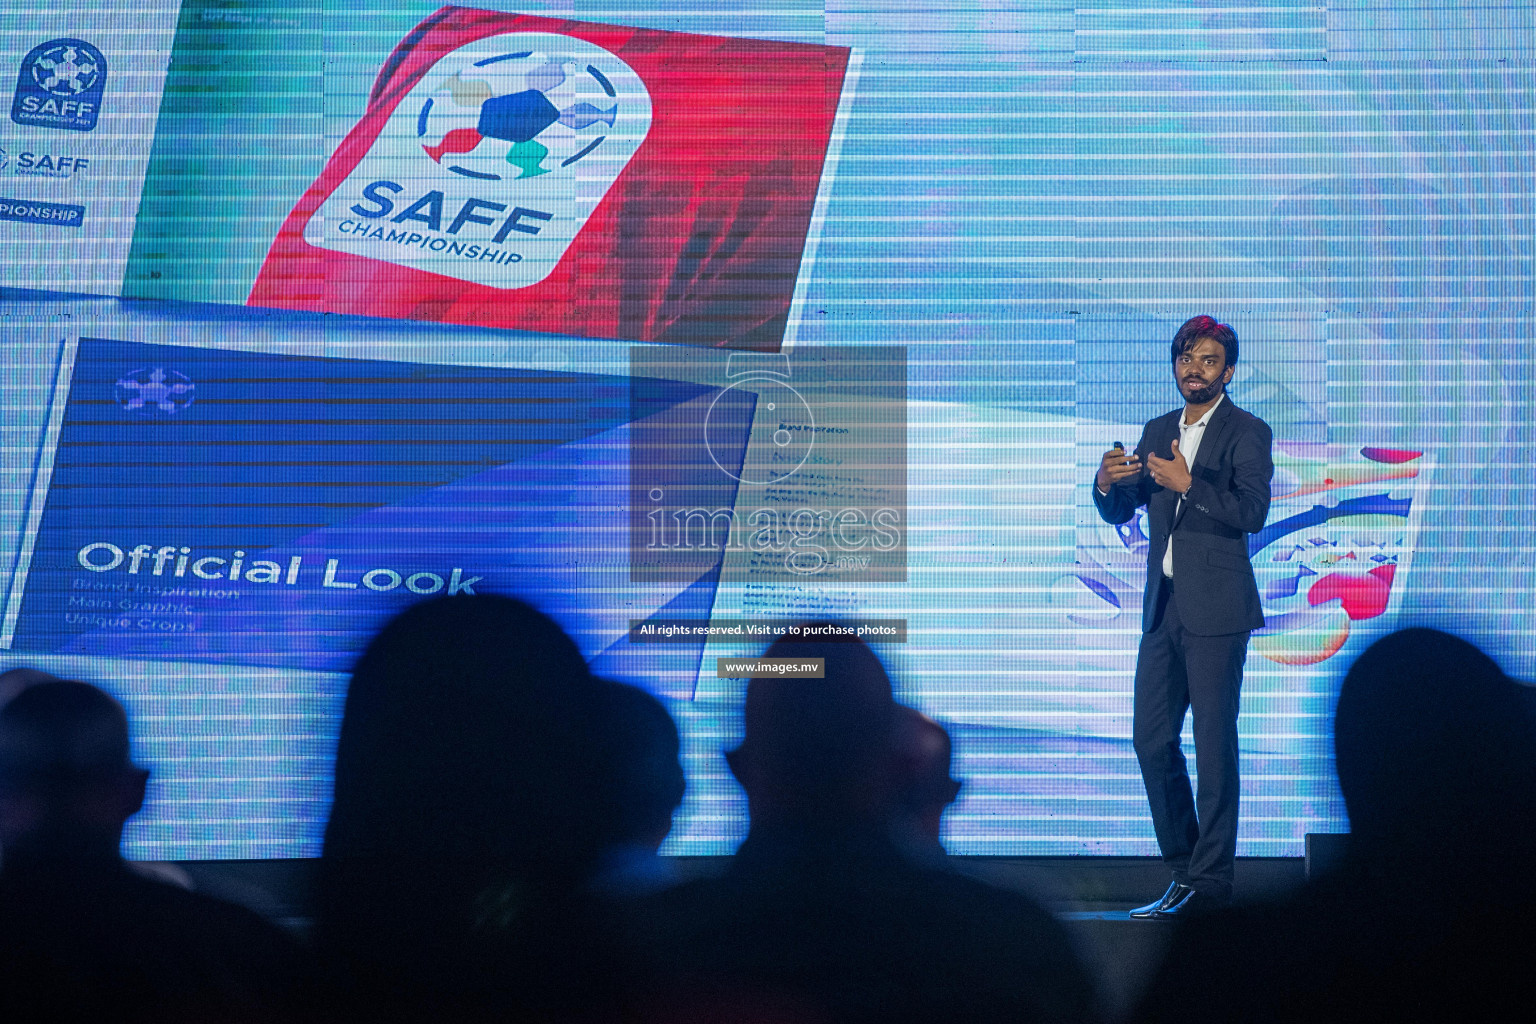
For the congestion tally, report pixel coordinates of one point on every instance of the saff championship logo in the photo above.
(41, 165)
(60, 86)
(490, 166)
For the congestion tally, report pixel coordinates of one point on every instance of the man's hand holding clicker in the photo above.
(1171, 473)
(1115, 466)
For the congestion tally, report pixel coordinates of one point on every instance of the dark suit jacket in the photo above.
(1228, 500)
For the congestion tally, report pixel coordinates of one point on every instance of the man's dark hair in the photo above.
(1202, 326)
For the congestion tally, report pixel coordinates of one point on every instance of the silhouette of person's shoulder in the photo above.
(854, 932)
(1255, 961)
(1341, 945)
(1012, 946)
(106, 942)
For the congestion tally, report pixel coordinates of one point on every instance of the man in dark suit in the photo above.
(1203, 473)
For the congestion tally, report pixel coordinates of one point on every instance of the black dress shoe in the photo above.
(1191, 904)
(1177, 891)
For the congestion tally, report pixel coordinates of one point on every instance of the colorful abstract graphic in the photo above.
(1341, 561)
(1335, 552)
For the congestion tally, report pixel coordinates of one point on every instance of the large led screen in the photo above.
(744, 313)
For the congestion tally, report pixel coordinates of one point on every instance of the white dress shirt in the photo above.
(1190, 436)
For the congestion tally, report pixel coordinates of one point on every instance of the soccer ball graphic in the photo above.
(65, 70)
(535, 127)
(516, 115)
(154, 392)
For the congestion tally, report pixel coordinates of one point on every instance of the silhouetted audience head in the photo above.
(86, 938)
(926, 787)
(67, 780)
(468, 734)
(1435, 750)
(14, 680)
(472, 802)
(819, 749)
(642, 746)
(827, 913)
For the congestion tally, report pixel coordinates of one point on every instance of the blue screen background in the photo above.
(1030, 198)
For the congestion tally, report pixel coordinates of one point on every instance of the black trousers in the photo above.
(1177, 671)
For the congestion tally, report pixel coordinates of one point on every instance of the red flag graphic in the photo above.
(697, 240)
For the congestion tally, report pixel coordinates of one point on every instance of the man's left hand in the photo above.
(1171, 473)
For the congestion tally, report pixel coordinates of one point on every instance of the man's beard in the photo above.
(1200, 396)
